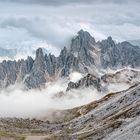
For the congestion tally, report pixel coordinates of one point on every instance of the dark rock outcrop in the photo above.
(88, 81)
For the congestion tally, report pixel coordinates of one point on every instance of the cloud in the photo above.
(75, 76)
(116, 87)
(22, 44)
(67, 2)
(15, 102)
(24, 25)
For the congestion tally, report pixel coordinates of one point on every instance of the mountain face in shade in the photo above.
(85, 55)
(119, 55)
(37, 73)
(82, 47)
(88, 81)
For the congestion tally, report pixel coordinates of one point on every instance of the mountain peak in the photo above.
(81, 32)
(82, 40)
(39, 53)
(109, 38)
(84, 34)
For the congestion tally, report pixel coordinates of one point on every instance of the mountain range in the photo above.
(84, 55)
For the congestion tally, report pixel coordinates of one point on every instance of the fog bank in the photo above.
(16, 102)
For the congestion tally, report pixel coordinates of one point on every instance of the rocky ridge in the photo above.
(100, 83)
(88, 81)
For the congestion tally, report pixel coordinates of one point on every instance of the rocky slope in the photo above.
(85, 55)
(128, 76)
(115, 116)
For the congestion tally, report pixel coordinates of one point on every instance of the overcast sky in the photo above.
(31, 23)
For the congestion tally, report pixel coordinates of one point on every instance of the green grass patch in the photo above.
(12, 136)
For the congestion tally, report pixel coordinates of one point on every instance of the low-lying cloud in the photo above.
(35, 103)
(15, 102)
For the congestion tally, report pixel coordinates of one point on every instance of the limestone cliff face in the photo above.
(37, 74)
(12, 71)
(119, 55)
(84, 55)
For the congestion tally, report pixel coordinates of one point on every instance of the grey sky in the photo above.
(55, 22)
(65, 2)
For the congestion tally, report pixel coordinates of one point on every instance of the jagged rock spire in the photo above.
(82, 40)
(39, 53)
(37, 77)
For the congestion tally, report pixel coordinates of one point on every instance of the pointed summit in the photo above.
(81, 41)
(83, 46)
(82, 32)
(36, 79)
(39, 53)
(109, 38)
(85, 35)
